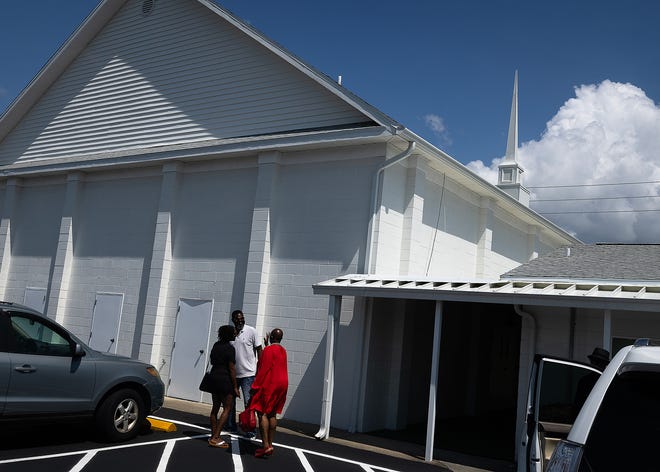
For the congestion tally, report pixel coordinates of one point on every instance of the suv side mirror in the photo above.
(79, 351)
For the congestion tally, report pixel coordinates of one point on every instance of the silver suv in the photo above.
(46, 373)
(613, 426)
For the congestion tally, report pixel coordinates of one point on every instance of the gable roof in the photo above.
(185, 72)
(105, 12)
(594, 262)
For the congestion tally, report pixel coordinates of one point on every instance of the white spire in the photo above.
(512, 141)
(509, 171)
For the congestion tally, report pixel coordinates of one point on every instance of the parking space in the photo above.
(70, 450)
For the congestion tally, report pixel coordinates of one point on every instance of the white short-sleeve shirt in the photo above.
(246, 360)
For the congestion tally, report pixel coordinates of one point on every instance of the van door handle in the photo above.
(25, 369)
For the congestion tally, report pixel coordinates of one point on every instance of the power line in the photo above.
(595, 211)
(590, 198)
(595, 185)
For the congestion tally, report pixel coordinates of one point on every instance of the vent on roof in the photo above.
(147, 7)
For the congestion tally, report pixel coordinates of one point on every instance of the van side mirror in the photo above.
(79, 351)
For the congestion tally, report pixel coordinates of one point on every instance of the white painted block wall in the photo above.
(210, 238)
(112, 236)
(35, 223)
(319, 227)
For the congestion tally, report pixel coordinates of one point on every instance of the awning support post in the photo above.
(334, 310)
(607, 331)
(435, 361)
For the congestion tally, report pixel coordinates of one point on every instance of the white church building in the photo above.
(170, 164)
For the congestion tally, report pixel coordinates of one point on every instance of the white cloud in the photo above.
(608, 133)
(436, 124)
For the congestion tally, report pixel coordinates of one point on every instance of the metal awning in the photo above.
(613, 296)
(579, 294)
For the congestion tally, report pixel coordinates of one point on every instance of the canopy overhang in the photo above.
(583, 294)
(605, 295)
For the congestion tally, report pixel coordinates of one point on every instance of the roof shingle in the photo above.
(639, 262)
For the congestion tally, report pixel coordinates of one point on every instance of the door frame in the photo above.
(208, 339)
(115, 343)
(35, 290)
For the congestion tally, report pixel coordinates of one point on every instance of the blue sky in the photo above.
(445, 70)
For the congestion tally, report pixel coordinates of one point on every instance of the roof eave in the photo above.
(199, 151)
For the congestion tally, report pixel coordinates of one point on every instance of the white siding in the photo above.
(180, 75)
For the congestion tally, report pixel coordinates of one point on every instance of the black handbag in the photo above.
(207, 383)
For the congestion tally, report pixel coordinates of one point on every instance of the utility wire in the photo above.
(595, 211)
(594, 185)
(437, 223)
(590, 198)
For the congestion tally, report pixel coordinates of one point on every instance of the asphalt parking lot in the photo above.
(72, 447)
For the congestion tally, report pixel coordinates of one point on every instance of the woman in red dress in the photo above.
(269, 390)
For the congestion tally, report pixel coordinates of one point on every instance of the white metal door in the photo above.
(190, 350)
(105, 322)
(35, 298)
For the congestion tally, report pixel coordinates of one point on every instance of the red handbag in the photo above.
(246, 420)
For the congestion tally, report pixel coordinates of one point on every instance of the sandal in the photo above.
(263, 452)
(218, 443)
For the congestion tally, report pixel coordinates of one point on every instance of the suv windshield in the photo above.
(626, 430)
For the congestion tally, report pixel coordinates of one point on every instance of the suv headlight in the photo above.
(566, 457)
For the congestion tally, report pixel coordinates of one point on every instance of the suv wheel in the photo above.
(120, 415)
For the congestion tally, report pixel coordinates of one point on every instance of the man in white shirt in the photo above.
(248, 351)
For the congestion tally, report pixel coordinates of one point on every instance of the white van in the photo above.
(617, 427)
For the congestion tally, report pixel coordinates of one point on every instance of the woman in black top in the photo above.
(223, 373)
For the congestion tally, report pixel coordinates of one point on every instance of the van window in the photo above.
(565, 388)
(626, 430)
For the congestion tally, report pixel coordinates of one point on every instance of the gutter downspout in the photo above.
(521, 413)
(374, 200)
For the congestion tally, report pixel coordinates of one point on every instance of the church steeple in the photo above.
(512, 140)
(509, 176)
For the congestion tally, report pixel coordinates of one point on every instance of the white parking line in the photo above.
(169, 446)
(100, 449)
(236, 454)
(303, 460)
(83, 462)
(366, 467)
(165, 458)
(340, 459)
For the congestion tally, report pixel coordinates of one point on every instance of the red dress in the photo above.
(271, 382)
